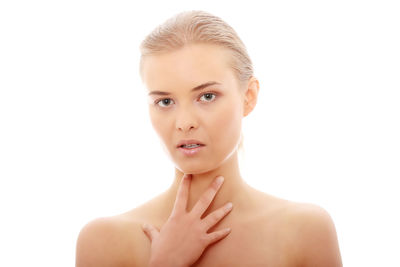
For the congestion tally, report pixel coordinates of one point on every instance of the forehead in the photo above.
(187, 67)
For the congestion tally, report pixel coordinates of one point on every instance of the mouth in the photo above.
(189, 144)
(191, 149)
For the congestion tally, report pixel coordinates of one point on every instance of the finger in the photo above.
(150, 231)
(183, 194)
(214, 217)
(216, 236)
(207, 197)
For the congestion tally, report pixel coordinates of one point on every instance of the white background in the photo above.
(76, 142)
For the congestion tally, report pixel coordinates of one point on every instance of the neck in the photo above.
(234, 189)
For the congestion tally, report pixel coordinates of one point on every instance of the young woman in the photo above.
(200, 86)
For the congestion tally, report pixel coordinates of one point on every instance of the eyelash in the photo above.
(209, 93)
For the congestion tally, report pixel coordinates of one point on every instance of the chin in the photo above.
(193, 169)
(195, 166)
(198, 166)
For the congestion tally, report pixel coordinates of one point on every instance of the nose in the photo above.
(185, 121)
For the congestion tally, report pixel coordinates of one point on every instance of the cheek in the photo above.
(228, 126)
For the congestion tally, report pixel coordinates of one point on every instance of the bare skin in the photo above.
(184, 237)
(275, 233)
(265, 230)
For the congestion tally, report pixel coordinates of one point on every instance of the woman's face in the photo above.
(194, 94)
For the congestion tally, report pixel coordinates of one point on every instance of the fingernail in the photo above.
(144, 226)
(220, 179)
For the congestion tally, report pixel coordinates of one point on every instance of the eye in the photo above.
(165, 102)
(209, 96)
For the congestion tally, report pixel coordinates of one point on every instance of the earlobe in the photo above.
(250, 97)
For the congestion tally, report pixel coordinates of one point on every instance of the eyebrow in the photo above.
(199, 87)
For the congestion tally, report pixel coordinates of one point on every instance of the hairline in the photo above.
(230, 61)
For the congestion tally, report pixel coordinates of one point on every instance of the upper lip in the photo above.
(187, 142)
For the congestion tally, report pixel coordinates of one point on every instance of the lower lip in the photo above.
(190, 151)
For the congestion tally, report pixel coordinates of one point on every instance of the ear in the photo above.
(250, 96)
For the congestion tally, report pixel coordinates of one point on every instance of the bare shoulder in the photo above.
(109, 241)
(311, 230)
(304, 231)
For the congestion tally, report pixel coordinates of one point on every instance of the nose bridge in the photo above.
(185, 118)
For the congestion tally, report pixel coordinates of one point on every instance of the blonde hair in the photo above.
(196, 26)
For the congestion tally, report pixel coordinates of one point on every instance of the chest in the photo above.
(248, 245)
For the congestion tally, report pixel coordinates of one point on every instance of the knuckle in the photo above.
(192, 215)
(205, 200)
(212, 219)
(213, 237)
(205, 239)
(192, 220)
(216, 216)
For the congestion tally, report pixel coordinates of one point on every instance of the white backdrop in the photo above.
(76, 142)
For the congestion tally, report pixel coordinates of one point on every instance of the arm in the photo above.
(317, 238)
(102, 242)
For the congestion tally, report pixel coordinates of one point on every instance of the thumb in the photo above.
(150, 231)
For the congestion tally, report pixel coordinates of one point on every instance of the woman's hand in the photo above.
(183, 238)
